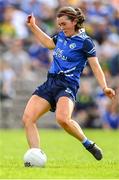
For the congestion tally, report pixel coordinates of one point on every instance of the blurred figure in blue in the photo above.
(39, 55)
(111, 115)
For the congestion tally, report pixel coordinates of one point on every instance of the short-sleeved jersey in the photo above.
(71, 54)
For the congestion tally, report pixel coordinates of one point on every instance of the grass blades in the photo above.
(67, 158)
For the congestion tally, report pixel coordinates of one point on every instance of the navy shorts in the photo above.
(55, 87)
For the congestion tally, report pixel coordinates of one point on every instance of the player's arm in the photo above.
(97, 70)
(43, 37)
(90, 52)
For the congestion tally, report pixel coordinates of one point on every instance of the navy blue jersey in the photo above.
(71, 53)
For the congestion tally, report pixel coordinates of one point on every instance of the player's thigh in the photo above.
(64, 108)
(35, 108)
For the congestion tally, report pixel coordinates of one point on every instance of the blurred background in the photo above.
(24, 62)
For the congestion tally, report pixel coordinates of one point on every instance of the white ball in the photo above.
(35, 157)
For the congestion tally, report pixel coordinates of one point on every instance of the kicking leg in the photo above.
(35, 108)
(64, 111)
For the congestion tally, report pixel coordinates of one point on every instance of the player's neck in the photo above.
(73, 33)
(78, 32)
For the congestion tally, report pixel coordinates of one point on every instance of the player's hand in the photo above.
(109, 92)
(30, 20)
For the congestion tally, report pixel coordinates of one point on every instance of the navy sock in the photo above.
(86, 143)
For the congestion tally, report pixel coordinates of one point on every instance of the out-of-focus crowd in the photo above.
(22, 56)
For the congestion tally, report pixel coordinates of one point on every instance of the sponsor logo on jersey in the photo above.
(72, 46)
(59, 53)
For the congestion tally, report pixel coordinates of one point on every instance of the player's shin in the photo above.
(32, 135)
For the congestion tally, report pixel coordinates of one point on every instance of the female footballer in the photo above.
(72, 50)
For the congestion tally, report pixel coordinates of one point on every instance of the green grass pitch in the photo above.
(67, 158)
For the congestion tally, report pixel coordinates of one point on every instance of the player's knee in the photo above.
(26, 120)
(62, 119)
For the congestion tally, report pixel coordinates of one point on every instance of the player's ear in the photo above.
(75, 21)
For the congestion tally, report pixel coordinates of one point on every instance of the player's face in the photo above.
(66, 25)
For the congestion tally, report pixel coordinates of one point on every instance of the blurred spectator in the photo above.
(18, 59)
(101, 101)
(99, 10)
(87, 72)
(7, 78)
(51, 3)
(63, 3)
(3, 4)
(111, 115)
(73, 3)
(19, 22)
(39, 55)
(48, 22)
(44, 11)
(85, 108)
(101, 29)
(110, 47)
(84, 5)
(32, 6)
(116, 20)
(115, 3)
(114, 65)
(7, 29)
(40, 9)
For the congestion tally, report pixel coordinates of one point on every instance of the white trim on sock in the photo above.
(84, 140)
